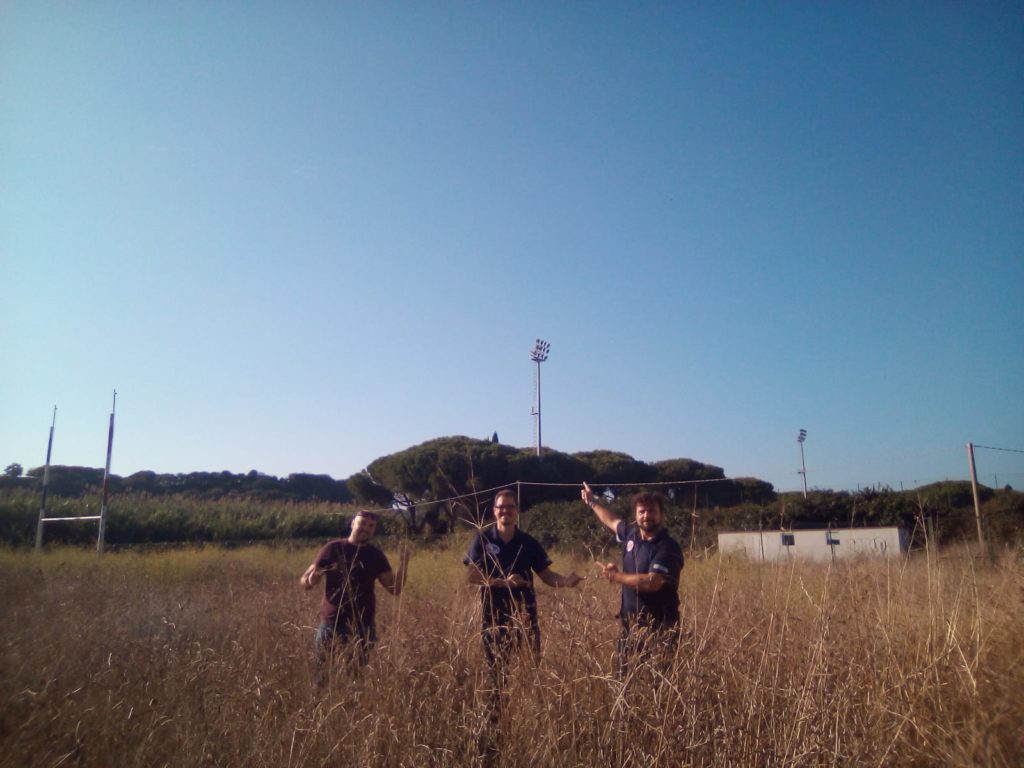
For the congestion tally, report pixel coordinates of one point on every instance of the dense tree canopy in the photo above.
(614, 468)
(415, 480)
(440, 481)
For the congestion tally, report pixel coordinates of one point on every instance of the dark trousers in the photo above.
(645, 642)
(503, 640)
(502, 643)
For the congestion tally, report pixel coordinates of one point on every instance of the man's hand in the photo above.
(573, 579)
(610, 571)
(310, 578)
(515, 580)
(587, 495)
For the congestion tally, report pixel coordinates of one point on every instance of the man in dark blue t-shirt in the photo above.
(651, 563)
(501, 561)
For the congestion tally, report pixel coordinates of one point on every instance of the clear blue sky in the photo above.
(296, 237)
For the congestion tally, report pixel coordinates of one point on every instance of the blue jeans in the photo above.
(336, 642)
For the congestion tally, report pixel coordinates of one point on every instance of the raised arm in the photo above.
(608, 520)
(394, 582)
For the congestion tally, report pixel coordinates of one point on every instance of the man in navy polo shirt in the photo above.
(651, 563)
(501, 561)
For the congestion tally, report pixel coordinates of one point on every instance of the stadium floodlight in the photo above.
(801, 436)
(538, 355)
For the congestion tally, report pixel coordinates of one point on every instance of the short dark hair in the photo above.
(368, 514)
(505, 492)
(649, 499)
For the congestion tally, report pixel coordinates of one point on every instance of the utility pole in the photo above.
(974, 492)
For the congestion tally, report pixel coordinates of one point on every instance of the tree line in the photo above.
(443, 485)
(65, 481)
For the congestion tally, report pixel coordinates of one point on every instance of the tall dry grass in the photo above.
(204, 658)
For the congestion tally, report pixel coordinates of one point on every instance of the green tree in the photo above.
(14, 470)
(420, 482)
(323, 487)
(74, 481)
(613, 468)
(439, 482)
(368, 491)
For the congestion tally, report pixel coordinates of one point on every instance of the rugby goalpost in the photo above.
(102, 516)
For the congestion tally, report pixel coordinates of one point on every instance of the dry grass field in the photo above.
(203, 658)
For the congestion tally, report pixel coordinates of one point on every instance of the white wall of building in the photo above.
(819, 545)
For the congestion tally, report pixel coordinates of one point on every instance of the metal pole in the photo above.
(539, 442)
(693, 524)
(539, 355)
(106, 481)
(801, 436)
(803, 469)
(46, 481)
(974, 491)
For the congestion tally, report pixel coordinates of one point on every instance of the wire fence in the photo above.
(519, 484)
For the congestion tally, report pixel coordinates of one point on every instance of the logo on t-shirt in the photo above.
(629, 545)
(492, 549)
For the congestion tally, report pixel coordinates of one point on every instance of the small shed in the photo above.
(820, 544)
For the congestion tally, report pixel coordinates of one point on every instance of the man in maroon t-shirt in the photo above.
(350, 567)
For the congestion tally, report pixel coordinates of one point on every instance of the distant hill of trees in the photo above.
(437, 482)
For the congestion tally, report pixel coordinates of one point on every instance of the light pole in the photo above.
(801, 436)
(538, 355)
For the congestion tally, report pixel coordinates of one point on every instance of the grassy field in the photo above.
(203, 657)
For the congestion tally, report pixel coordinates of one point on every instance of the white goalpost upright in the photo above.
(106, 481)
(102, 516)
(46, 481)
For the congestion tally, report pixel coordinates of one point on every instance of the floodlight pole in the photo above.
(46, 481)
(801, 436)
(538, 356)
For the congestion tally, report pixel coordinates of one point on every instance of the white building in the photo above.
(821, 545)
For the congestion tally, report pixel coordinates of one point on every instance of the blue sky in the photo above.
(297, 237)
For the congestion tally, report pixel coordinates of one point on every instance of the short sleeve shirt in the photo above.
(523, 555)
(661, 555)
(350, 573)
